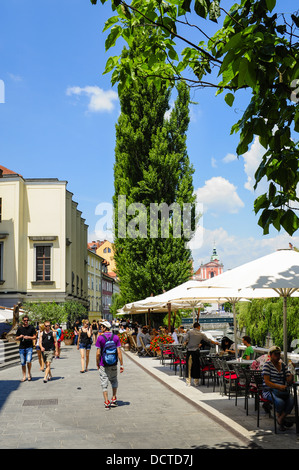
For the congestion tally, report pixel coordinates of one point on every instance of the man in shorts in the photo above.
(48, 344)
(26, 334)
(108, 373)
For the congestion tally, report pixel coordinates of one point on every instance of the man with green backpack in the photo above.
(107, 356)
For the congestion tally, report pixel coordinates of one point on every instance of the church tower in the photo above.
(211, 269)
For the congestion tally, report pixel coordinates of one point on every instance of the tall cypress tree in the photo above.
(151, 166)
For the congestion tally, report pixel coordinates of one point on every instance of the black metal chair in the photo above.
(177, 358)
(206, 369)
(218, 374)
(230, 378)
(244, 384)
(257, 379)
(166, 353)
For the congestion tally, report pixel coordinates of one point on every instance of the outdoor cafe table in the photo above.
(242, 362)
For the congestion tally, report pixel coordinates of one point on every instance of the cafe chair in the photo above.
(182, 353)
(218, 374)
(166, 353)
(145, 351)
(132, 343)
(206, 369)
(230, 378)
(257, 379)
(176, 358)
(244, 384)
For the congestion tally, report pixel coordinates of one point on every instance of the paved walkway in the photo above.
(157, 411)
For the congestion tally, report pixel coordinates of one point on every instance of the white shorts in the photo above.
(108, 374)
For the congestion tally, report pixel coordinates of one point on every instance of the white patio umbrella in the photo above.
(168, 298)
(276, 273)
(163, 302)
(6, 315)
(221, 295)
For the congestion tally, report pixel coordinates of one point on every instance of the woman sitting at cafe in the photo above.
(227, 345)
(276, 379)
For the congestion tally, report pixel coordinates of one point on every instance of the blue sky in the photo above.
(59, 115)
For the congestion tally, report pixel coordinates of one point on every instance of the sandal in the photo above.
(23, 379)
(29, 378)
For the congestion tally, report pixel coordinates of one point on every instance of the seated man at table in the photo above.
(144, 334)
(193, 341)
(249, 352)
(277, 378)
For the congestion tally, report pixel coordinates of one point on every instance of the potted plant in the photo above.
(164, 339)
(124, 340)
(68, 337)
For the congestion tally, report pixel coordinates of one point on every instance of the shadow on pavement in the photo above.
(6, 388)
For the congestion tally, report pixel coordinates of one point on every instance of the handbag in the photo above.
(283, 394)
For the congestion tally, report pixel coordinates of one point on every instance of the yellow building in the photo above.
(95, 267)
(105, 250)
(43, 240)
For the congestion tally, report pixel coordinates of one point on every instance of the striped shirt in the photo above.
(277, 377)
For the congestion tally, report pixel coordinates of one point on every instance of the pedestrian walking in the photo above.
(77, 327)
(59, 336)
(95, 331)
(107, 356)
(26, 334)
(84, 344)
(48, 344)
(41, 328)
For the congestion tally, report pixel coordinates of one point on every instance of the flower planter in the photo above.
(68, 341)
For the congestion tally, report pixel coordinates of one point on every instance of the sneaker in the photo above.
(107, 405)
(113, 403)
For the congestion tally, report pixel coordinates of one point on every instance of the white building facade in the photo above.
(43, 240)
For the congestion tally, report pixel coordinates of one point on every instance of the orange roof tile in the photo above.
(6, 171)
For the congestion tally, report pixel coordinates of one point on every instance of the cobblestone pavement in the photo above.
(156, 411)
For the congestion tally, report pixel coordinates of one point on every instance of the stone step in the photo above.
(9, 354)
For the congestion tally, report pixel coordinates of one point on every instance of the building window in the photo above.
(43, 263)
(0, 209)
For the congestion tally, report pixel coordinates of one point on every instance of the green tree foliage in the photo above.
(255, 48)
(54, 312)
(151, 166)
(116, 303)
(261, 317)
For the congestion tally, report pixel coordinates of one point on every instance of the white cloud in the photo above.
(252, 160)
(15, 78)
(214, 162)
(219, 195)
(230, 157)
(99, 100)
(233, 251)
